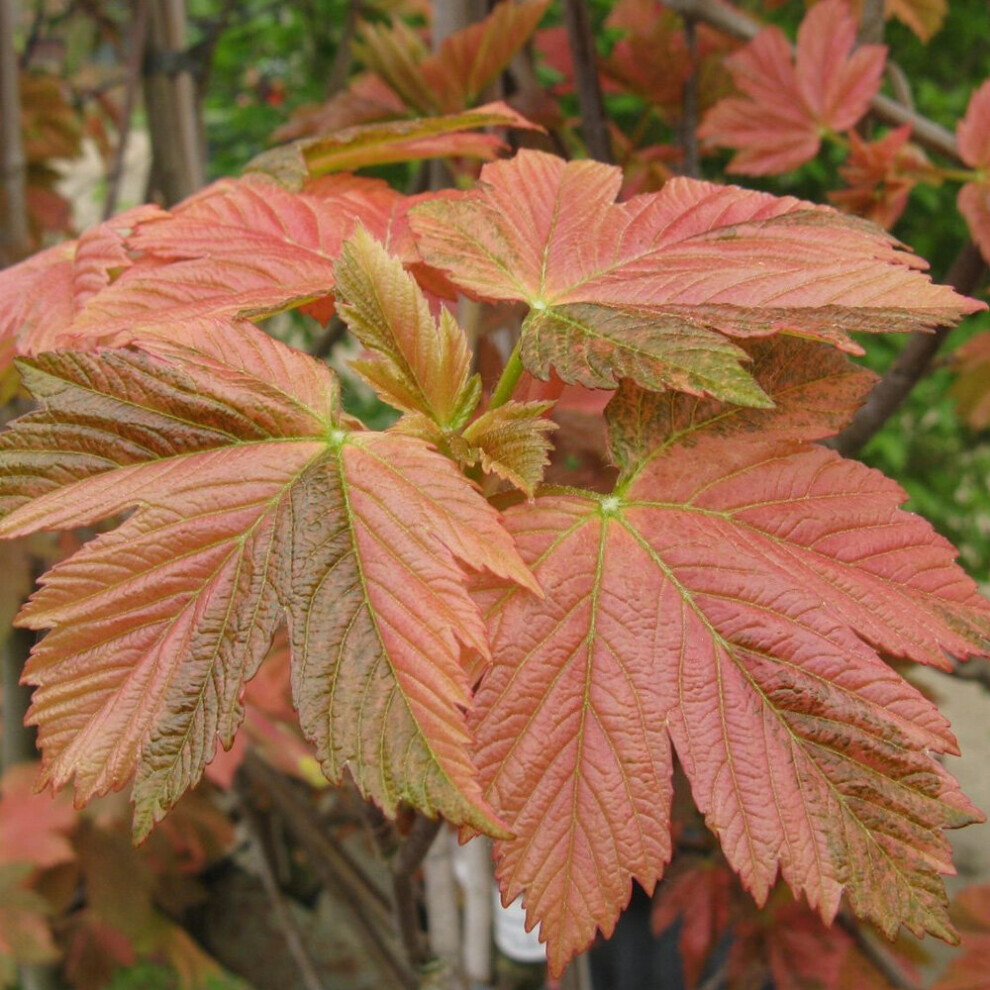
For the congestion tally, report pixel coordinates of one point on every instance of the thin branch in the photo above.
(964, 276)
(14, 233)
(871, 23)
(734, 22)
(135, 59)
(336, 870)
(284, 918)
(691, 105)
(876, 956)
(594, 124)
(341, 65)
(405, 864)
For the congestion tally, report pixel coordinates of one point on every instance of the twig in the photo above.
(407, 861)
(871, 23)
(330, 337)
(283, 916)
(14, 233)
(593, 120)
(333, 866)
(964, 276)
(876, 956)
(740, 25)
(690, 105)
(135, 59)
(341, 65)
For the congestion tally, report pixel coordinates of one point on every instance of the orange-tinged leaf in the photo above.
(419, 364)
(471, 59)
(970, 969)
(776, 124)
(253, 498)
(512, 441)
(240, 248)
(392, 141)
(34, 828)
(880, 175)
(695, 255)
(923, 17)
(727, 599)
(973, 134)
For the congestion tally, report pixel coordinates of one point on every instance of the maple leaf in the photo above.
(694, 261)
(776, 125)
(698, 895)
(512, 442)
(419, 365)
(34, 828)
(242, 248)
(973, 136)
(40, 297)
(394, 141)
(728, 598)
(971, 389)
(467, 61)
(251, 495)
(880, 176)
(923, 17)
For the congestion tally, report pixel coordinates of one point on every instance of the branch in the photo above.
(871, 23)
(14, 233)
(333, 866)
(407, 861)
(740, 25)
(135, 59)
(911, 364)
(690, 107)
(283, 916)
(593, 121)
(878, 958)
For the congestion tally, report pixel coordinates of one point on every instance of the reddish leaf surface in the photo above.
(880, 176)
(698, 896)
(34, 828)
(252, 495)
(776, 124)
(725, 595)
(241, 248)
(973, 135)
(697, 258)
(24, 933)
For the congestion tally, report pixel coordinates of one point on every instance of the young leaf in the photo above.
(973, 133)
(695, 256)
(251, 496)
(512, 441)
(471, 59)
(725, 597)
(419, 365)
(880, 176)
(776, 125)
(393, 141)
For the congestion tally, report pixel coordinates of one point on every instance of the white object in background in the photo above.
(511, 936)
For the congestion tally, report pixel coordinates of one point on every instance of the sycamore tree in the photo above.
(572, 549)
